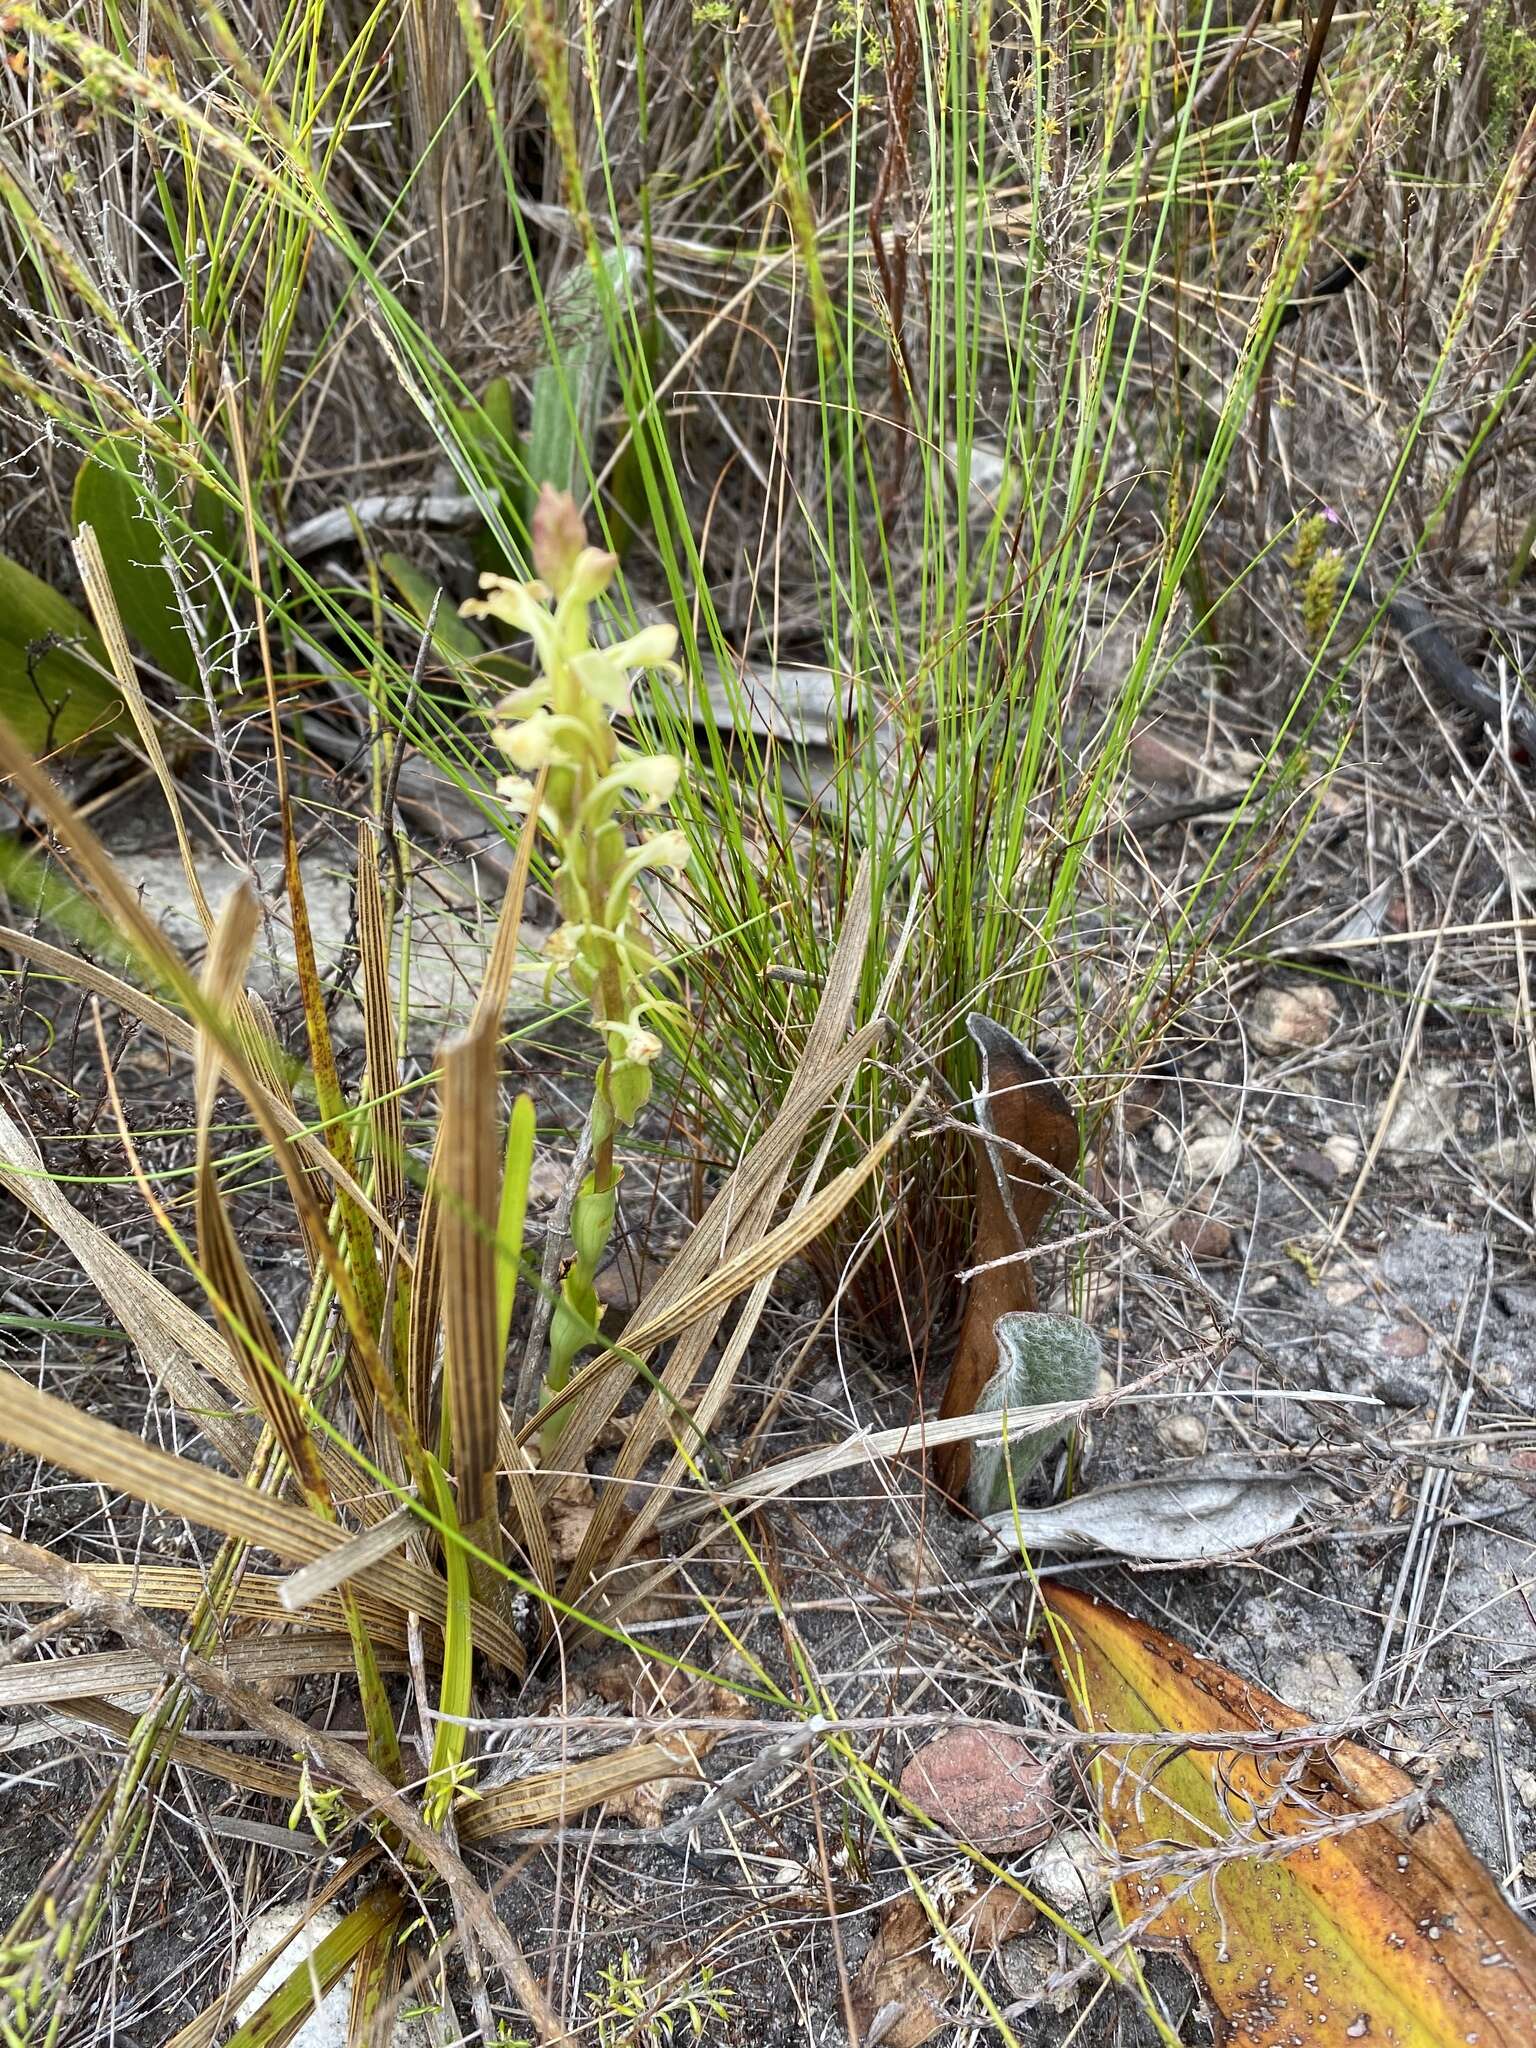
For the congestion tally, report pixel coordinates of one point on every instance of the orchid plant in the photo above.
(569, 762)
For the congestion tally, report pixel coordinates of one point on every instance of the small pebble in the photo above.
(1070, 1873)
(1185, 1435)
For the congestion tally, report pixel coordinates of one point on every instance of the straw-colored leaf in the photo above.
(256, 1659)
(381, 1080)
(544, 1797)
(755, 1263)
(241, 1312)
(259, 1596)
(47, 1427)
(755, 1247)
(229, 1765)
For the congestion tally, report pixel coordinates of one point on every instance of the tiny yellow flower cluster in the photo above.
(562, 722)
(561, 725)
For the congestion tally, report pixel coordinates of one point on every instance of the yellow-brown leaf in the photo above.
(1384, 1930)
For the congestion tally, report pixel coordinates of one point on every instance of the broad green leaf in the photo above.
(110, 492)
(48, 692)
(514, 1211)
(451, 635)
(453, 1697)
(568, 392)
(1384, 1932)
(496, 448)
(647, 448)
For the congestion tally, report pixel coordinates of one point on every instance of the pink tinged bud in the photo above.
(559, 537)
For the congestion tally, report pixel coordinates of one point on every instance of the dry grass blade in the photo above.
(212, 1759)
(251, 1019)
(181, 1037)
(381, 1082)
(426, 1301)
(259, 1596)
(912, 1439)
(97, 585)
(365, 1276)
(551, 1798)
(46, 1427)
(259, 1661)
(111, 889)
(758, 1250)
(754, 1268)
(356, 1773)
(469, 1201)
(499, 969)
(240, 1309)
(174, 1344)
(370, 1546)
(595, 1392)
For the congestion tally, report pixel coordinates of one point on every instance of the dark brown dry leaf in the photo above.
(568, 1516)
(986, 1788)
(902, 1994)
(1205, 1238)
(1030, 1118)
(651, 1693)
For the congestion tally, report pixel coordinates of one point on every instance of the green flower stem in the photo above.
(563, 722)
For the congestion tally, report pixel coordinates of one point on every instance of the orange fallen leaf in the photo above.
(1376, 1924)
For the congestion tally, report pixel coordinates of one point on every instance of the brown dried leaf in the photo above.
(647, 1692)
(1030, 1118)
(902, 1994)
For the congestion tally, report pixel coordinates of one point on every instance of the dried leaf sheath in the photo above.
(469, 1203)
(241, 1313)
(381, 1083)
(1028, 1117)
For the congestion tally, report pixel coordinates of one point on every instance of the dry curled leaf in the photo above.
(1029, 1118)
(1213, 1511)
(903, 1994)
(986, 1788)
(1319, 1893)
